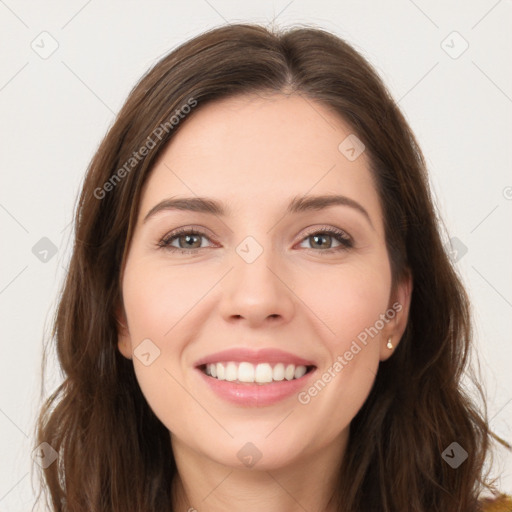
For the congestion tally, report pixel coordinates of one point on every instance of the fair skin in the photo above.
(254, 154)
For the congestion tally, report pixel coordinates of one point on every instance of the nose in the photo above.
(258, 292)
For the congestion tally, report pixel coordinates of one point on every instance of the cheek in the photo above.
(166, 305)
(350, 302)
(336, 396)
(346, 300)
(157, 298)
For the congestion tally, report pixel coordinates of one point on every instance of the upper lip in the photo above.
(265, 355)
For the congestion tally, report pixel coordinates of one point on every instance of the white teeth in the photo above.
(278, 371)
(261, 373)
(246, 372)
(231, 371)
(299, 372)
(289, 372)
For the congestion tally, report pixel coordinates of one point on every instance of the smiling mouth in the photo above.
(261, 373)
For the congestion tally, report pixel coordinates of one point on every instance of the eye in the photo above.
(189, 240)
(320, 236)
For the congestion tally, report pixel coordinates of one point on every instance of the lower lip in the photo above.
(255, 395)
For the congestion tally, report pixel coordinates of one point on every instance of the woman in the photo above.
(259, 311)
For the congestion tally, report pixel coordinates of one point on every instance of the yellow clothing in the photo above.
(501, 503)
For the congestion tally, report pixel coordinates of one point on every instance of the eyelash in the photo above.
(344, 240)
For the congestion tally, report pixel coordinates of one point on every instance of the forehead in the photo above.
(252, 148)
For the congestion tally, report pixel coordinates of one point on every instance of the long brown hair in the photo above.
(113, 452)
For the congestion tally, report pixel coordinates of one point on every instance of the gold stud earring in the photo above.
(389, 344)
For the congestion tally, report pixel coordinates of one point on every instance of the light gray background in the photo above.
(55, 110)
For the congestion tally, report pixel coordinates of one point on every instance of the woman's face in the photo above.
(263, 280)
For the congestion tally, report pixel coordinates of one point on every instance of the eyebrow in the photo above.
(298, 204)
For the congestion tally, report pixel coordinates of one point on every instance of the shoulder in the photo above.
(500, 503)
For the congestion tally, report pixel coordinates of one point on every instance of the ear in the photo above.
(124, 341)
(398, 314)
